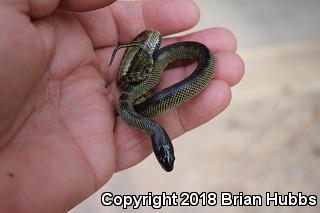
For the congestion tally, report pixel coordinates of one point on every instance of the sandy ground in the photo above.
(268, 140)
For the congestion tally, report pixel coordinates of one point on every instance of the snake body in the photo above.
(140, 70)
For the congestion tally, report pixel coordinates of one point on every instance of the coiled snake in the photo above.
(140, 70)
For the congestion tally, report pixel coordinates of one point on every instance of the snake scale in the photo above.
(140, 70)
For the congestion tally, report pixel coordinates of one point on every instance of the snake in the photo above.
(140, 70)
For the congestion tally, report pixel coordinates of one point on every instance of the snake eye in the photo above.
(163, 148)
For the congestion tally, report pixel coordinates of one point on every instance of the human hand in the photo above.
(60, 138)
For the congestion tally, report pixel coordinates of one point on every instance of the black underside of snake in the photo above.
(140, 70)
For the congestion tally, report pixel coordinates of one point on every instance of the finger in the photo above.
(216, 39)
(84, 5)
(122, 21)
(32, 8)
(229, 67)
(212, 100)
(133, 145)
(40, 8)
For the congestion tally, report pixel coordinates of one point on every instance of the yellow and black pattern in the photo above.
(140, 71)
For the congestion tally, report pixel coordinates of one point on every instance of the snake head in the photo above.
(163, 150)
(166, 158)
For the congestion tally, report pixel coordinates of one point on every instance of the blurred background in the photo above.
(268, 140)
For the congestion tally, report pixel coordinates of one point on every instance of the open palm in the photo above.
(60, 136)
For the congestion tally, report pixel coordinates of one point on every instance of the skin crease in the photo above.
(60, 137)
